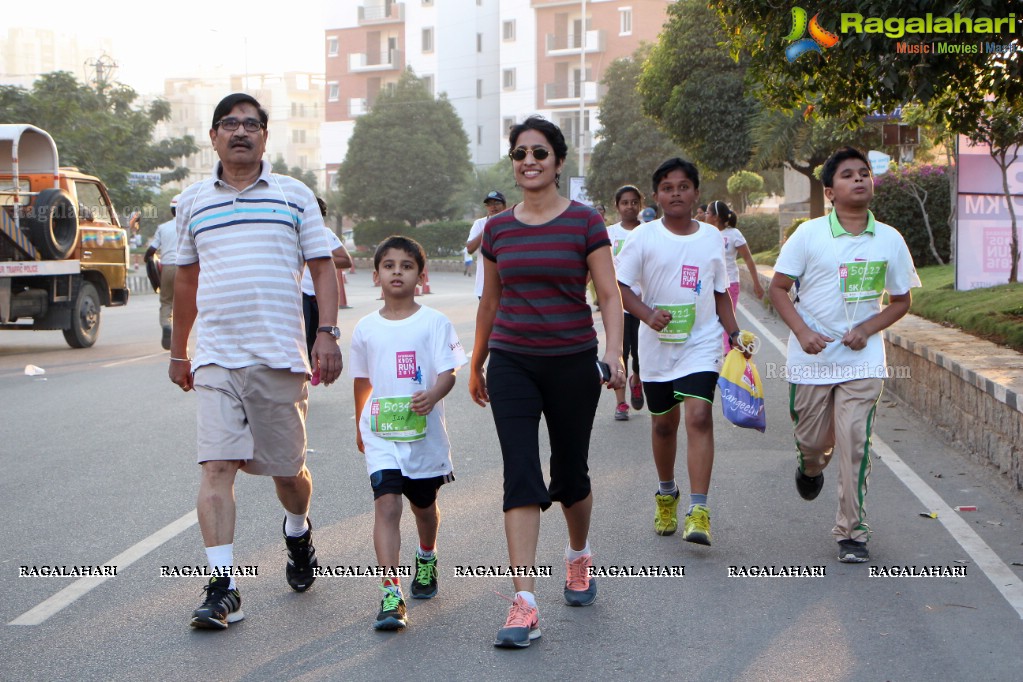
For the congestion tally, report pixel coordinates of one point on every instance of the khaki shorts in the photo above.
(255, 414)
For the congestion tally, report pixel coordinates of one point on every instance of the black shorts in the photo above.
(662, 396)
(421, 492)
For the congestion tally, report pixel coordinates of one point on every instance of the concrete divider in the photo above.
(969, 389)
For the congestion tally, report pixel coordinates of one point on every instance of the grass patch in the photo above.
(992, 313)
(767, 257)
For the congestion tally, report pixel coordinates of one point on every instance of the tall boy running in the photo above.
(679, 265)
(403, 360)
(842, 264)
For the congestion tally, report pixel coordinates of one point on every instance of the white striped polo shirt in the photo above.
(251, 246)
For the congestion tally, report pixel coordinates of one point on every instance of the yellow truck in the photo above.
(63, 254)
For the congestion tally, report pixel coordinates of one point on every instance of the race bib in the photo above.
(862, 280)
(616, 247)
(393, 419)
(683, 315)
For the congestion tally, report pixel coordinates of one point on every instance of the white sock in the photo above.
(667, 487)
(423, 554)
(221, 558)
(573, 554)
(294, 524)
(529, 597)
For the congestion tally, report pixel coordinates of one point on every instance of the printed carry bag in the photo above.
(742, 393)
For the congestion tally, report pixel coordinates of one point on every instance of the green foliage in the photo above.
(743, 185)
(894, 204)
(497, 176)
(759, 229)
(101, 132)
(866, 67)
(442, 239)
(792, 228)
(631, 145)
(696, 91)
(306, 177)
(369, 233)
(407, 158)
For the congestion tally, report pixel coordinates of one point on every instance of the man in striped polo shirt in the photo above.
(244, 236)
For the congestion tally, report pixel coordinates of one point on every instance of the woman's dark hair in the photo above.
(732, 219)
(402, 243)
(675, 164)
(625, 189)
(840, 155)
(553, 133)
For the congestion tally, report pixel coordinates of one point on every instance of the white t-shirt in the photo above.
(402, 357)
(307, 277)
(618, 234)
(733, 240)
(672, 269)
(165, 240)
(475, 231)
(833, 304)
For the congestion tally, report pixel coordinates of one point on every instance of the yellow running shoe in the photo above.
(698, 526)
(666, 516)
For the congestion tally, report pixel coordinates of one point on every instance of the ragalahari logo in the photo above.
(820, 38)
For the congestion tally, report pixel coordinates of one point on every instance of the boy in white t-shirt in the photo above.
(494, 203)
(841, 265)
(679, 265)
(403, 361)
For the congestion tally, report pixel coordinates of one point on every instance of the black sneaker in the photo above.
(424, 585)
(809, 487)
(221, 606)
(852, 552)
(392, 614)
(165, 340)
(301, 559)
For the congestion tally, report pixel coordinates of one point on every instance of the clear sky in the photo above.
(189, 38)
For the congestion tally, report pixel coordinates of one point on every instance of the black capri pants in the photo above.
(630, 342)
(565, 389)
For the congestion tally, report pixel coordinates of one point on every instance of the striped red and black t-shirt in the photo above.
(543, 309)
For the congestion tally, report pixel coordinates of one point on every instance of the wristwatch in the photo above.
(333, 331)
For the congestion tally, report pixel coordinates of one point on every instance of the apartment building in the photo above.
(497, 61)
(28, 53)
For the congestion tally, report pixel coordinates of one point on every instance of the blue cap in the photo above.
(647, 214)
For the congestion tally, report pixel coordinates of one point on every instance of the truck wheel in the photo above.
(53, 226)
(84, 318)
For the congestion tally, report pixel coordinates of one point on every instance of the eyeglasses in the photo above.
(231, 124)
(539, 153)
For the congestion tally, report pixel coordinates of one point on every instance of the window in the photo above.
(625, 21)
(479, 88)
(508, 30)
(332, 46)
(428, 83)
(427, 3)
(333, 92)
(507, 124)
(428, 39)
(508, 79)
(479, 42)
(91, 202)
(298, 136)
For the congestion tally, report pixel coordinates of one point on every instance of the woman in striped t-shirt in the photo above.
(537, 329)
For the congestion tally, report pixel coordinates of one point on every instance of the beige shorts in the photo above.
(256, 414)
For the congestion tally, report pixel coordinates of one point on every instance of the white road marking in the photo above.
(130, 360)
(79, 588)
(996, 570)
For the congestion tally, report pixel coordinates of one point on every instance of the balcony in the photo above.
(385, 60)
(564, 44)
(568, 93)
(357, 106)
(382, 13)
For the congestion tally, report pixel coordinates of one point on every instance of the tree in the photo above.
(1000, 126)
(100, 132)
(696, 91)
(631, 145)
(407, 157)
(866, 70)
(484, 179)
(306, 177)
(743, 185)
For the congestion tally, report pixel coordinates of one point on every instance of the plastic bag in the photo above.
(742, 393)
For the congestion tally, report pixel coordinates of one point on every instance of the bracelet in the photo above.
(181, 359)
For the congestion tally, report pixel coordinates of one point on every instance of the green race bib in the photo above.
(393, 419)
(683, 315)
(862, 280)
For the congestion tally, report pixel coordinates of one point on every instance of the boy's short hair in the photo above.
(402, 243)
(841, 154)
(625, 189)
(231, 101)
(674, 164)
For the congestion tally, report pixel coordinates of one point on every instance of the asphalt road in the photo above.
(98, 462)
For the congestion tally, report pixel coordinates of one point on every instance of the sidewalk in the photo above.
(969, 389)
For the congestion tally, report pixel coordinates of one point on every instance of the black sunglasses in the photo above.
(539, 153)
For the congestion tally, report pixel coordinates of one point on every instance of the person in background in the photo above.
(494, 203)
(310, 310)
(165, 242)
